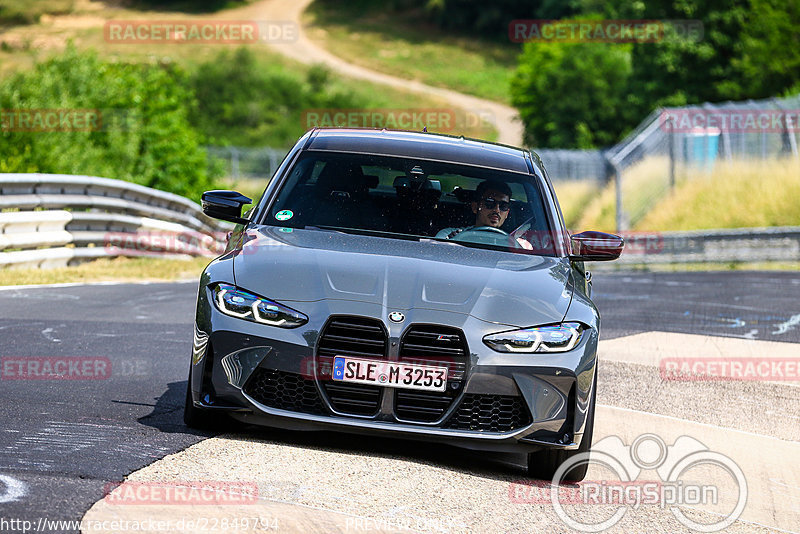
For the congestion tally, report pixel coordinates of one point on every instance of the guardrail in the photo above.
(109, 218)
(712, 246)
(63, 219)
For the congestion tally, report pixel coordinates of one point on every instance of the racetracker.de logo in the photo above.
(180, 492)
(709, 369)
(50, 120)
(434, 119)
(154, 243)
(55, 368)
(198, 31)
(730, 120)
(604, 31)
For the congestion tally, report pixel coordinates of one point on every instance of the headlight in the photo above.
(236, 302)
(555, 338)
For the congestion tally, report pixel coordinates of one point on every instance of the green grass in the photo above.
(13, 12)
(117, 269)
(401, 45)
(643, 186)
(737, 194)
(573, 197)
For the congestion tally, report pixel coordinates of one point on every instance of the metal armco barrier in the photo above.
(713, 246)
(57, 220)
(109, 218)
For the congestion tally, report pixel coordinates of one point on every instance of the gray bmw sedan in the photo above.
(403, 284)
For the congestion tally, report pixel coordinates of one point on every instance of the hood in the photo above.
(296, 265)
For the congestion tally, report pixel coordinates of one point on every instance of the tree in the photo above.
(573, 95)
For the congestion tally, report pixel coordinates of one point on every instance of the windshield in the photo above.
(414, 199)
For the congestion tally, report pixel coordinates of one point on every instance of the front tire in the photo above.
(543, 464)
(198, 418)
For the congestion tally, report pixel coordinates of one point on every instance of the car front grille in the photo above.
(438, 346)
(490, 413)
(358, 337)
(285, 391)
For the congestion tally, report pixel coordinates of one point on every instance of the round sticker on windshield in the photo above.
(284, 215)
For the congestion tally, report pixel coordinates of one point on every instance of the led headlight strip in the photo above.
(553, 338)
(236, 302)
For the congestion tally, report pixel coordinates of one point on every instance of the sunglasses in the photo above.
(490, 203)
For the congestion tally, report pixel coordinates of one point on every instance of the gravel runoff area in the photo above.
(393, 485)
(769, 409)
(383, 484)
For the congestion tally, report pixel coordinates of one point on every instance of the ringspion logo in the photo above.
(683, 476)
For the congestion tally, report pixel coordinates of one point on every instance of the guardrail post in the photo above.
(618, 198)
(671, 141)
(790, 134)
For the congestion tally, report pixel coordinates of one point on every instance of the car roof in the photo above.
(424, 145)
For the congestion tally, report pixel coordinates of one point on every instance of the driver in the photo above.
(491, 206)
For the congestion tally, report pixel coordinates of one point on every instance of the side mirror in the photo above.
(225, 205)
(596, 246)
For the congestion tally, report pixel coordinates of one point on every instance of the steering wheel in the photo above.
(487, 235)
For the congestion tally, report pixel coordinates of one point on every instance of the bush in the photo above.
(247, 102)
(145, 135)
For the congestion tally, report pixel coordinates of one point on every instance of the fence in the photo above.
(681, 142)
(249, 163)
(56, 220)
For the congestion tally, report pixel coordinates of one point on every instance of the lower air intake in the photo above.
(285, 391)
(490, 413)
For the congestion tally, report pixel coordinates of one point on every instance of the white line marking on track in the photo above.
(788, 325)
(109, 283)
(14, 489)
(48, 334)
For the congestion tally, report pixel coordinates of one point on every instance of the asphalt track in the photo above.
(63, 442)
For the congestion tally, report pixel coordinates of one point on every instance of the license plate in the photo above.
(391, 374)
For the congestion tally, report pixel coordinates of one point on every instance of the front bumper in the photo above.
(504, 402)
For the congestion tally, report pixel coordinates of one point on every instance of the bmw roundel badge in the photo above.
(397, 317)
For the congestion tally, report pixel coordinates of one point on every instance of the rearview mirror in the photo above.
(596, 246)
(225, 205)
